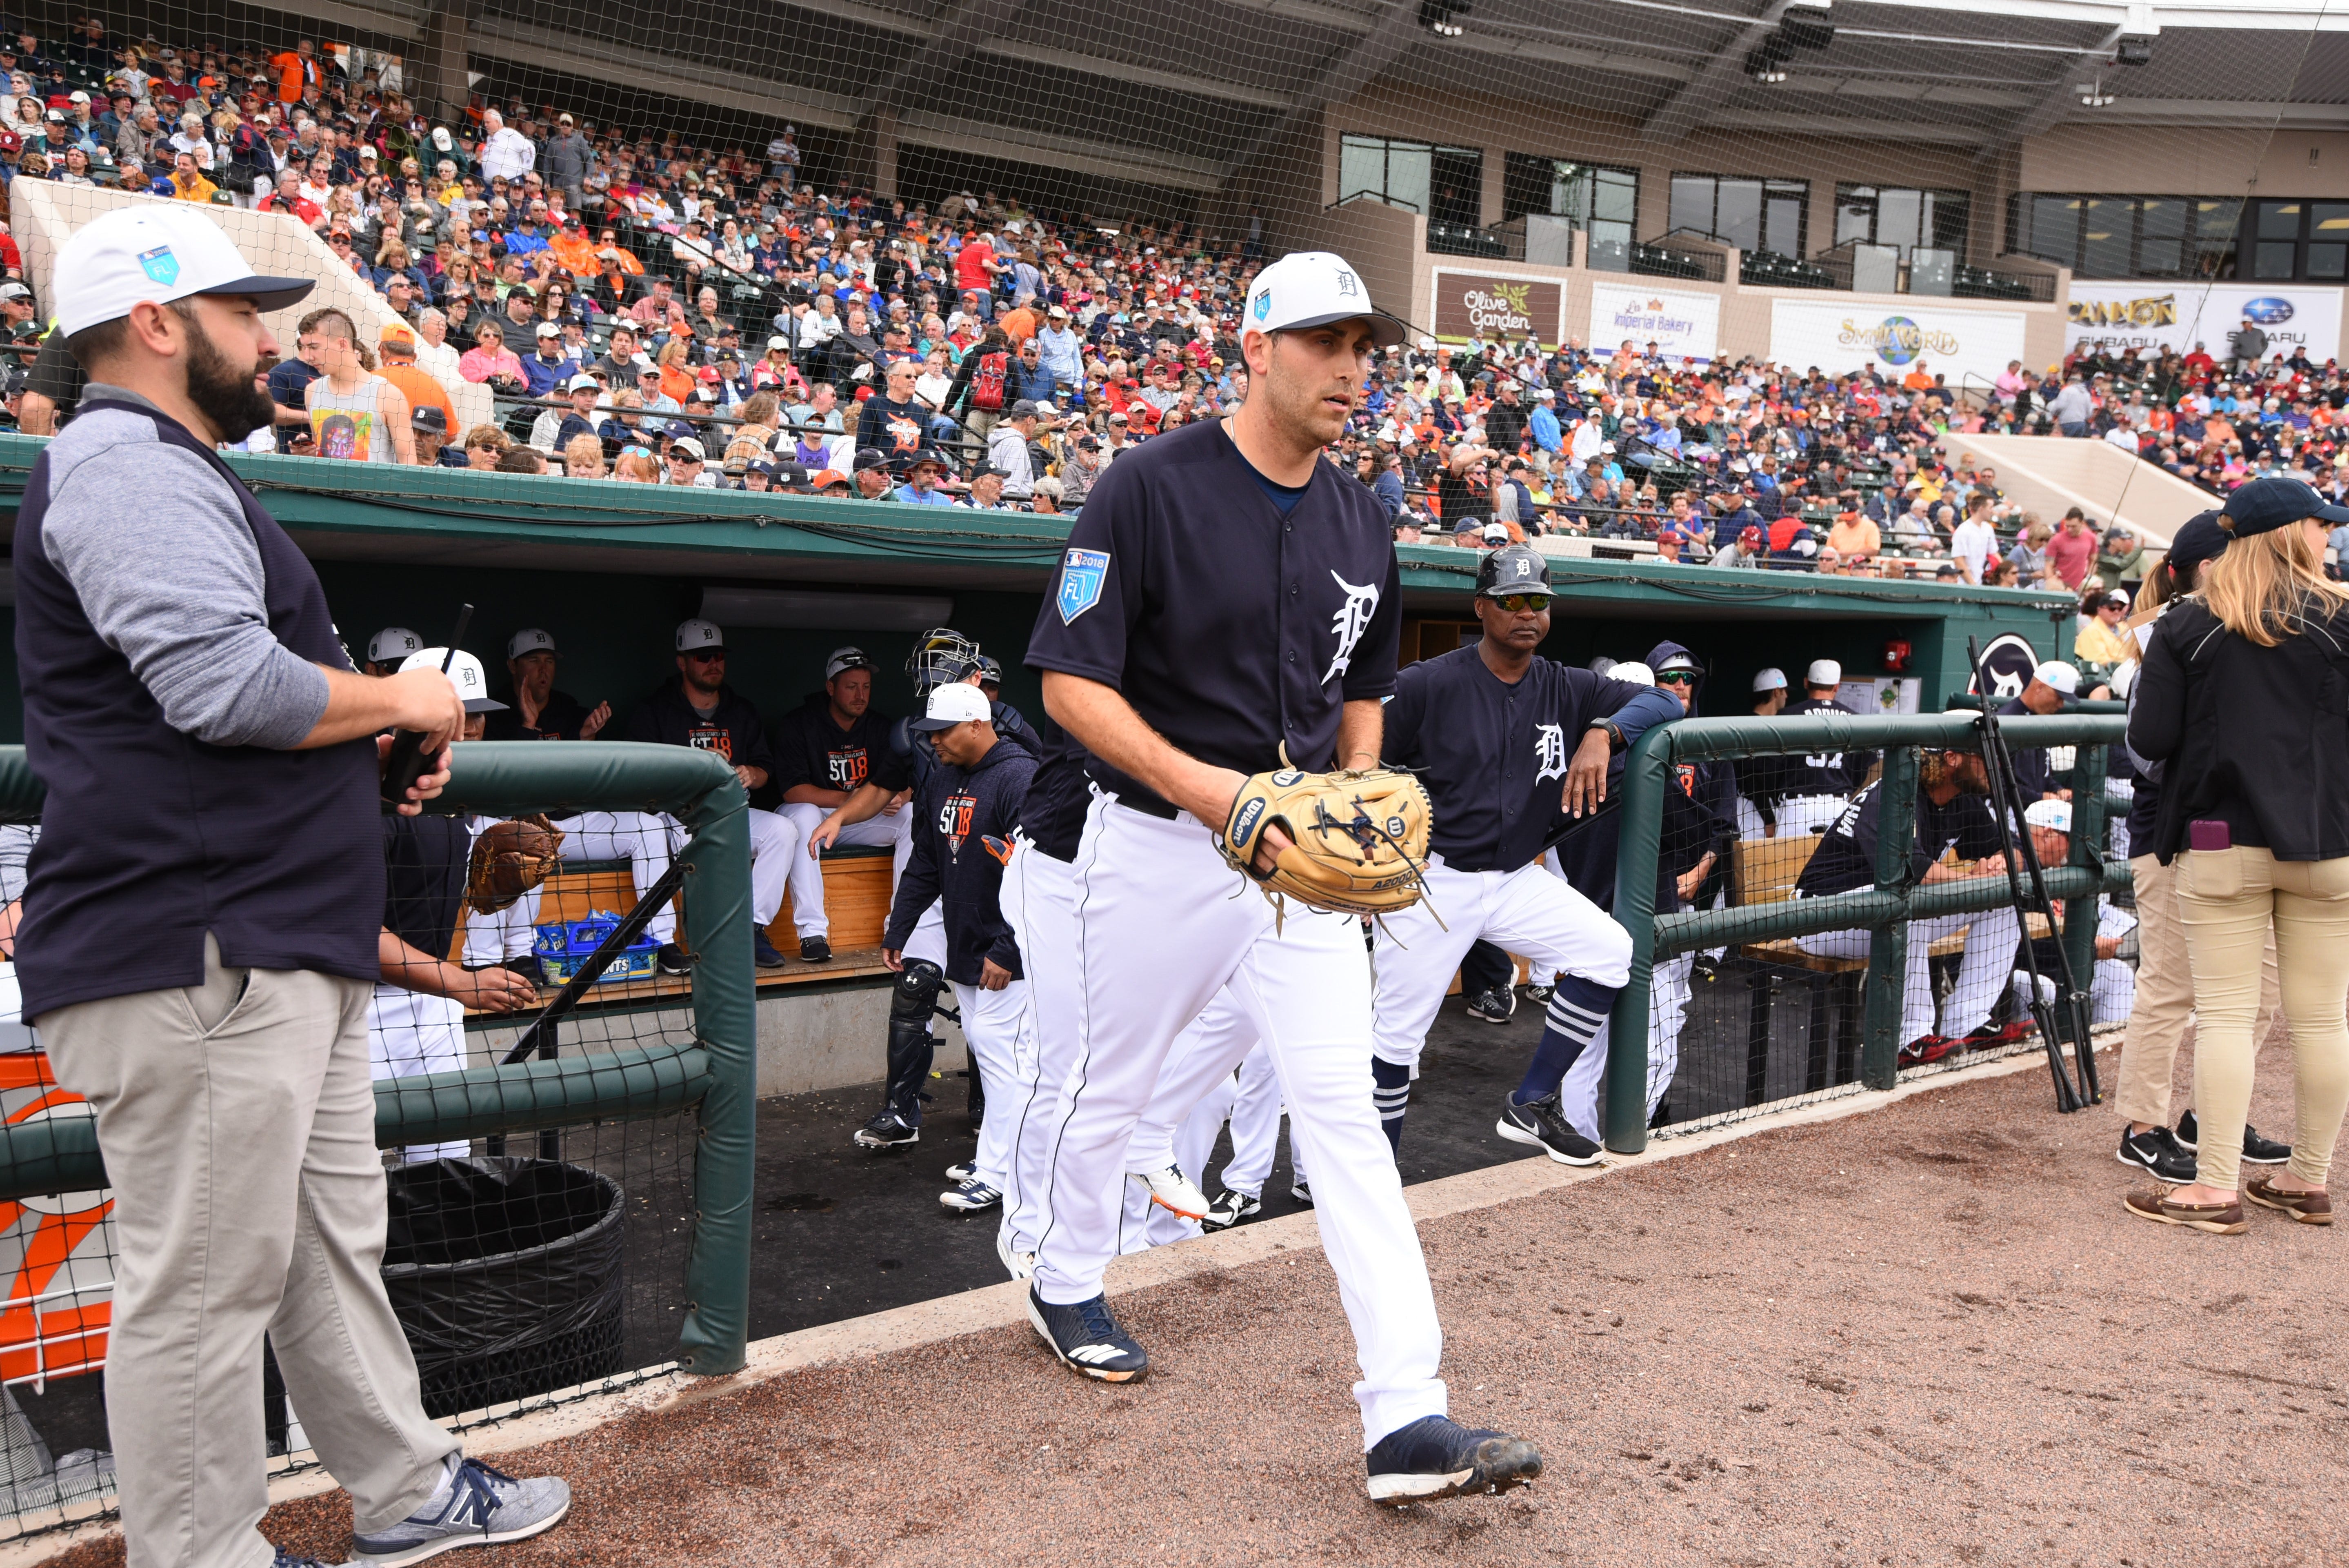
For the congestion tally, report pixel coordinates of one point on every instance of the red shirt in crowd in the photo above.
(2069, 555)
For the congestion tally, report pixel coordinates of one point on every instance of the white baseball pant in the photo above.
(1187, 1110)
(1993, 937)
(996, 1025)
(410, 1033)
(1808, 814)
(1038, 897)
(808, 917)
(1527, 912)
(1158, 934)
(1668, 1001)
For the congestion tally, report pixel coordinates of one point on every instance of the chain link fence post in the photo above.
(1887, 952)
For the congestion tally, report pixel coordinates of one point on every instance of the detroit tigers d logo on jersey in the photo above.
(1083, 572)
(1352, 619)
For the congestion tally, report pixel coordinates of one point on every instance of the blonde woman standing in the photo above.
(2244, 700)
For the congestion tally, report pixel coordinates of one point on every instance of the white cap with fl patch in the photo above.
(160, 253)
(464, 673)
(1314, 288)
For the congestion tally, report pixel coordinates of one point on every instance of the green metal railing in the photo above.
(1883, 910)
(714, 1076)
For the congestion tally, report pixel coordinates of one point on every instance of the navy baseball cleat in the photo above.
(1436, 1456)
(887, 1130)
(1087, 1339)
(479, 1507)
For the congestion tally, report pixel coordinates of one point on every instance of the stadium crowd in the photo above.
(651, 310)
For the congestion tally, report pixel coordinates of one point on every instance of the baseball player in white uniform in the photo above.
(1228, 604)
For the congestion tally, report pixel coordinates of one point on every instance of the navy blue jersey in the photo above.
(962, 840)
(426, 860)
(1053, 819)
(812, 748)
(1822, 772)
(1493, 756)
(2035, 775)
(1234, 630)
(1846, 858)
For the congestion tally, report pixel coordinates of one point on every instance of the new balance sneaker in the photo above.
(671, 959)
(1436, 1456)
(815, 950)
(479, 1506)
(1017, 1265)
(1302, 1192)
(1495, 1006)
(2257, 1151)
(962, 1171)
(762, 952)
(1543, 1125)
(1229, 1209)
(887, 1130)
(2155, 1150)
(1087, 1339)
(970, 1197)
(1173, 1191)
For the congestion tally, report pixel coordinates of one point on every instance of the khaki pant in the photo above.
(2165, 996)
(238, 1124)
(2226, 898)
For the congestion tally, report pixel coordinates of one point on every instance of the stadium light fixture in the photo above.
(2094, 96)
(1442, 17)
(1767, 64)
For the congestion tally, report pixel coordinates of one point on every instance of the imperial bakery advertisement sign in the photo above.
(1499, 305)
(1680, 326)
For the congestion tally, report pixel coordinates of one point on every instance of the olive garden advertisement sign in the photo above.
(1897, 340)
(1499, 306)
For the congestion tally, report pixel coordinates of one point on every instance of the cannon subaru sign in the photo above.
(2152, 316)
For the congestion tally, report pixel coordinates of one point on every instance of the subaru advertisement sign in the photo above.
(2152, 316)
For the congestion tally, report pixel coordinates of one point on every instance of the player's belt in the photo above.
(1150, 806)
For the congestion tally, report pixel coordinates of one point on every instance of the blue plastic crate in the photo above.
(566, 946)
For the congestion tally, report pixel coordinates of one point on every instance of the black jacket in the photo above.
(732, 730)
(962, 840)
(2255, 738)
(1699, 817)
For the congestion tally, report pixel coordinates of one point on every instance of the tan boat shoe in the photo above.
(2305, 1208)
(2153, 1204)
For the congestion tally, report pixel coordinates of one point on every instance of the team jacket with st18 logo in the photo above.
(811, 748)
(731, 729)
(962, 827)
(1493, 756)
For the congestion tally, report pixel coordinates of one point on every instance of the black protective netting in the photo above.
(545, 1263)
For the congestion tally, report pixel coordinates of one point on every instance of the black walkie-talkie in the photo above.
(405, 766)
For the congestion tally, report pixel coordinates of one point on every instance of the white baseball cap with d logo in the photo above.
(160, 251)
(1314, 288)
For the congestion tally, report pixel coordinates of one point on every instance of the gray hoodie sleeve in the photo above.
(157, 547)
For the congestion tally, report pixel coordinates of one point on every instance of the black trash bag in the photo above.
(505, 1272)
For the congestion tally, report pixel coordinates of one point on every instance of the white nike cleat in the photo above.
(1173, 1191)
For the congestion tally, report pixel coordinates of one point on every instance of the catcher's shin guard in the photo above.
(977, 1094)
(912, 999)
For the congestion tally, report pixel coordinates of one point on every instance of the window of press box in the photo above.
(1751, 215)
(1904, 219)
(1604, 202)
(1445, 183)
(2142, 236)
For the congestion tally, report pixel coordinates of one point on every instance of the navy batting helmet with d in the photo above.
(1513, 569)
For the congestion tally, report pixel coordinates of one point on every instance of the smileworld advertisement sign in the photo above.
(1841, 336)
(1680, 326)
(2150, 317)
(1502, 305)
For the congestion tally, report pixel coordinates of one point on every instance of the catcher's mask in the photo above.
(941, 654)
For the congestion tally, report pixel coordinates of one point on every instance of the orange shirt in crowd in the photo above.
(421, 388)
(1019, 324)
(294, 74)
(575, 253)
(1853, 535)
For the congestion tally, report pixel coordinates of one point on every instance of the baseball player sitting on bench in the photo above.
(963, 817)
(825, 750)
(416, 1019)
(1951, 812)
(642, 838)
(1510, 746)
